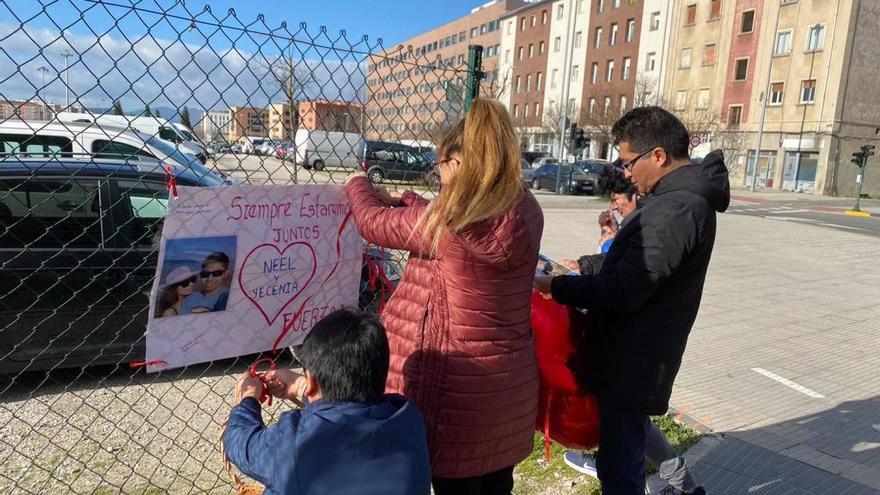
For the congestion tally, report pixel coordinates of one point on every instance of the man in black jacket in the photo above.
(644, 300)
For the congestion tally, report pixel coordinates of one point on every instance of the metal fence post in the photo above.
(475, 75)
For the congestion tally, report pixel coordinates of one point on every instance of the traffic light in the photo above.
(572, 134)
(580, 139)
(857, 158)
(860, 158)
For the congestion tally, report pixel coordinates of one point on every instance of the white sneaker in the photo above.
(582, 462)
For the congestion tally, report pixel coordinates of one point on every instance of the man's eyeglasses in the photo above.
(215, 274)
(629, 164)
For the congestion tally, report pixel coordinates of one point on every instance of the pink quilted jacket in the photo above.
(459, 330)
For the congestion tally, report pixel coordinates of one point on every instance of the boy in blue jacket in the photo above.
(350, 437)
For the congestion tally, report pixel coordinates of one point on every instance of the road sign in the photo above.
(695, 141)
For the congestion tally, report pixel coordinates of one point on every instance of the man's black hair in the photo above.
(649, 127)
(347, 353)
(216, 257)
(611, 181)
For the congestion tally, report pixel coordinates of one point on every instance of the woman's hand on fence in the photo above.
(248, 386)
(354, 176)
(285, 384)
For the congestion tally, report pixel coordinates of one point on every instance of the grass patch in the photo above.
(534, 476)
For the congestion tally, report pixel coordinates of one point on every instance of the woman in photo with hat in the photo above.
(179, 283)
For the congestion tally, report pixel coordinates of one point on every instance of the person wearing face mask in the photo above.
(459, 321)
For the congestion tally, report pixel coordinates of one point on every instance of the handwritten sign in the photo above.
(245, 268)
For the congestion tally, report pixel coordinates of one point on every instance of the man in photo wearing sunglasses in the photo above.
(644, 300)
(215, 286)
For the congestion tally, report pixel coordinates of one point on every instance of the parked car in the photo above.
(284, 149)
(531, 156)
(544, 160)
(592, 166)
(572, 180)
(250, 144)
(26, 138)
(78, 253)
(266, 148)
(321, 149)
(528, 173)
(396, 162)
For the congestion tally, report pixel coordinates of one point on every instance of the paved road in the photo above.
(827, 213)
(784, 359)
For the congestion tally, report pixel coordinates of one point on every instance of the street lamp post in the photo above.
(66, 54)
(43, 70)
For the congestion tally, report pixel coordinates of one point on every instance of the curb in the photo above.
(865, 214)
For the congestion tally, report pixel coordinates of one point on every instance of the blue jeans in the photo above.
(621, 458)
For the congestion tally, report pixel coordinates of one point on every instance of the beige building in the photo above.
(248, 121)
(417, 88)
(330, 116)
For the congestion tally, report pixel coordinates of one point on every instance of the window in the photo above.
(622, 103)
(592, 106)
(597, 38)
(474, 32)
(515, 110)
(703, 99)
(528, 83)
(516, 87)
(630, 30)
(815, 38)
(626, 67)
(787, 2)
(506, 55)
(777, 93)
(681, 100)
(557, 43)
(509, 27)
(808, 91)
(34, 145)
(531, 51)
(747, 25)
(51, 213)
(607, 105)
(145, 204)
(534, 20)
(521, 51)
(525, 110)
(734, 114)
(553, 78)
(613, 40)
(537, 110)
(655, 21)
(102, 148)
(615, 4)
(600, 6)
(651, 61)
(715, 10)
(462, 36)
(691, 15)
(783, 43)
(541, 48)
(575, 72)
(559, 12)
(578, 39)
(538, 81)
(594, 74)
(709, 54)
(522, 23)
(685, 62)
(741, 70)
(544, 17)
(609, 70)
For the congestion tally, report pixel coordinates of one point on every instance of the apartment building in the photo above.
(248, 121)
(802, 65)
(653, 55)
(28, 110)
(280, 125)
(214, 125)
(330, 115)
(417, 88)
(614, 32)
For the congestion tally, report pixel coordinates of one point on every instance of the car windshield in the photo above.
(592, 168)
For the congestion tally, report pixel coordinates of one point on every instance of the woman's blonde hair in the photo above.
(487, 181)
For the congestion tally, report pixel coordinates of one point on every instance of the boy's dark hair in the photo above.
(646, 127)
(347, 353)
(216, 257)
(611, 181)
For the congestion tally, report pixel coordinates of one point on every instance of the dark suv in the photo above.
(78, 251)
(572, 180)
(395, 162)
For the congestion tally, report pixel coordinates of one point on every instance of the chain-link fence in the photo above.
(99, 103)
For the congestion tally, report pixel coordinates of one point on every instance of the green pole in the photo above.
(475, 75)
(861, 181)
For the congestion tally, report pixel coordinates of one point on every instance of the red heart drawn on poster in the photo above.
(272, 278)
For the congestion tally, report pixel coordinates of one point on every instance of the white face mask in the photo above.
(617, 216)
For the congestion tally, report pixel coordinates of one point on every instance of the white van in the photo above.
(153, 126)
(28, 138)
(320, 149)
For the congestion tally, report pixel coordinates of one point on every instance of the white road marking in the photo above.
(789, 383)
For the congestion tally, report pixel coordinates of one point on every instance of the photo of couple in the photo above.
(196, 276)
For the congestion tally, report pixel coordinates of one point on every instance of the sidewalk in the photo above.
(782, 363)
(819, 203)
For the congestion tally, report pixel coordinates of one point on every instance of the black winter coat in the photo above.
(644, 300)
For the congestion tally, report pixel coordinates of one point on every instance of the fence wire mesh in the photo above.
(97, 99)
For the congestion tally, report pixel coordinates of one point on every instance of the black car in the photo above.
(78, 252)
(592, 166)
(572, 180)
(395, 162)
(531, 156)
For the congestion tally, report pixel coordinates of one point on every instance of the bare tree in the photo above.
(599, 119)
(732, 142)
(554, 121)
